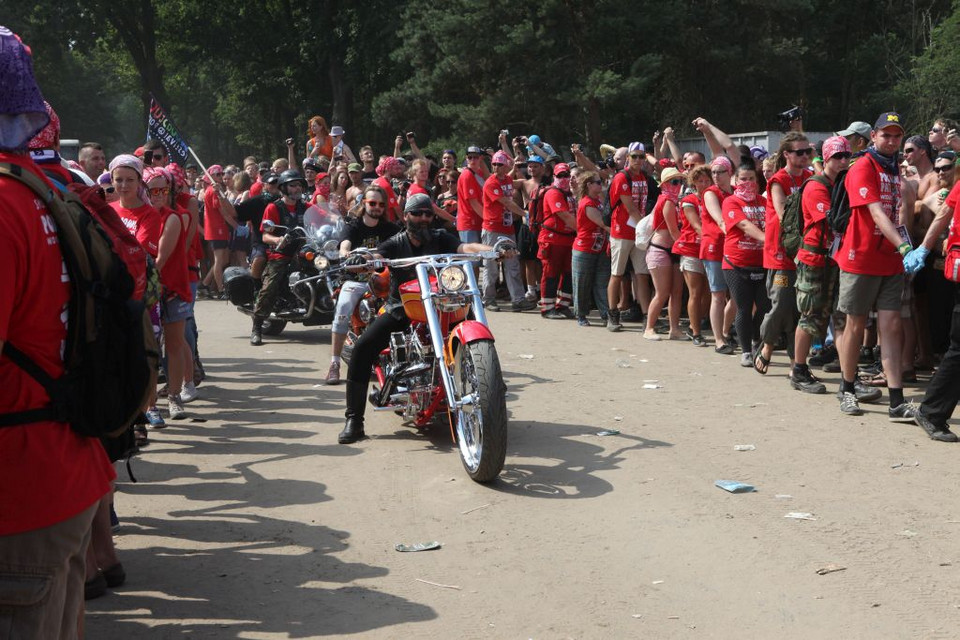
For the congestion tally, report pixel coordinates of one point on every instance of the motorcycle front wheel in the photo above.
(482, 422)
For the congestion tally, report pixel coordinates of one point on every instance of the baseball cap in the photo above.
(474, 149)
(888, 119)
(264, 167)
(310, 163)
(535, 159)
(758, 152)
(418, 202)
(858, 127)
(354, 166)
(561, 168)
(337, 130)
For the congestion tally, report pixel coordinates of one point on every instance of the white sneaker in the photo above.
(176, 408)
(189, 393)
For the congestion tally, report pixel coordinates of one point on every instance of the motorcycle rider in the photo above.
(417, 239)
(280, 249)
(366, 231)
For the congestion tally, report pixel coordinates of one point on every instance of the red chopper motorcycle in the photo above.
(445, 363)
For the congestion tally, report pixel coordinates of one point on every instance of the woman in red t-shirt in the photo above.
(744, 216)
(419, 175)
(664, 266)
(590, 259)
(722, 306)
(175, 278)
(687, 247)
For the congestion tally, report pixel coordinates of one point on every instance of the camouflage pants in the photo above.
(273, 275)
(816, 297)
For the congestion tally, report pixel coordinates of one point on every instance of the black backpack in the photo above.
(608, 207)
(839, 214)
(111, 355)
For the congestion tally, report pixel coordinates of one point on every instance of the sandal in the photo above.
(760, 364)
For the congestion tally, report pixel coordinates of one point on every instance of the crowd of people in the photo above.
(638, 234)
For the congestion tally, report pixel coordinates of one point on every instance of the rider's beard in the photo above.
(419, 231)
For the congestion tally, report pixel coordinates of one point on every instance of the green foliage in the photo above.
(240, 78)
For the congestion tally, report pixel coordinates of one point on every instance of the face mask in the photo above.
(746, 191)
(671, 191)
(562, 183)
(323, 189)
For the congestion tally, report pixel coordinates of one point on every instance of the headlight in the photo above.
(453, 278)
(321, 263)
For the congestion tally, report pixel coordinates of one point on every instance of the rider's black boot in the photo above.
(353, 429)
(256, 339)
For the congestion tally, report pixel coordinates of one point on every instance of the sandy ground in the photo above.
(257, 524)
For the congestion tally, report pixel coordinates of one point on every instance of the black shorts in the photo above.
(528, 243)
(218, 244)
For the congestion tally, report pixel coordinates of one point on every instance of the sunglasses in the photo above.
(943, 168)
(843, 155)
(563, 175)
(801, 152)
(420, 214)
(909, 150)
(497, 164)
(472, 157)
(377, 204)
(109, 189)
(718, 172)
(160, 191)
(216, 175)
(936, 129)
(676, 182)
(594, 182)
(636, 156)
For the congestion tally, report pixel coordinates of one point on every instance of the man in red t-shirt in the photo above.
(816, 270)
(795, 155)
(52, 478)
(556, 246)
(287, 212)
(871, 265)
(628, 201)
(943, 393)
(470, 196)
(498, 212)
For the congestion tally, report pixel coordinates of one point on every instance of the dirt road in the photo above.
(257, 524)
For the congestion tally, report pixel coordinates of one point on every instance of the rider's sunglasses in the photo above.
(420, 214)
(377, 204)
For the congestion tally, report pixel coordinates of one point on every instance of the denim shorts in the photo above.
(173, 309)
(715, 279)
(470, 235)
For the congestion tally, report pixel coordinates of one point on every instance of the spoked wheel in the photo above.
(481, 422)
(273, 327)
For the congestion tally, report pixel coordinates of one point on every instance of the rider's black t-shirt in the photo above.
(399, 246)
(251, 210)
(362, 236)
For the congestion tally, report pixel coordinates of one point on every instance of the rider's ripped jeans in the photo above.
(351, 293)
(273, 275)
(371, 342)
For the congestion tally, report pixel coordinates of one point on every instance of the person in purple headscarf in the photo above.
(53, 479)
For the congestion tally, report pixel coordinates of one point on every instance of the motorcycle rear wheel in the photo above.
(273, 327)
(482, 425)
